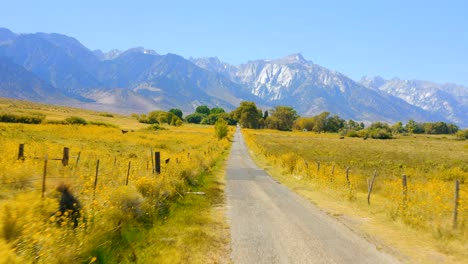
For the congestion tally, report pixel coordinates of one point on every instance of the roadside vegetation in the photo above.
(126, 212)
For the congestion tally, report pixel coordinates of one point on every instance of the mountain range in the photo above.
(58, 69)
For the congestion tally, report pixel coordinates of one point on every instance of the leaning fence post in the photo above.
(44, 175)
(21, 152)
(455, 204)
(128, 171)
(66, 156)
(95, 180)
(370, 187)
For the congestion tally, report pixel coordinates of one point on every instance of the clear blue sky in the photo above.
(412, 39)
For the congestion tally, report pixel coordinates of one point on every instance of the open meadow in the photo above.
(336, 174)
(128, 211)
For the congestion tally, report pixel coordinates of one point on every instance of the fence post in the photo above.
(66, 156)
(370, 187)
(157, 161)
(332, 173)
(347, 177)
(128, 171)
(455, 204)
(152, 161)
(95, 180)
(21, 152)
(318, 168)
(44, 175)
(404, 185)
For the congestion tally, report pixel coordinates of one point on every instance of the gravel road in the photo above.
(271, 224)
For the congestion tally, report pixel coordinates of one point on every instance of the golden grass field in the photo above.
(155, 218)
(419, 226)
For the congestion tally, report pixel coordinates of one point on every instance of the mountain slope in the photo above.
(448, 100)
(16, 82)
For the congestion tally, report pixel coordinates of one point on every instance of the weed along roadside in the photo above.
(407, 195)
(132, 207)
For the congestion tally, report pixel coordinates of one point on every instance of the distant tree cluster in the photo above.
(206, 116)
(435, 128)
(285, 118)
(161, 117)
(324, 123)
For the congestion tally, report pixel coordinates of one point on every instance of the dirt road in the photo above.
(271, 224)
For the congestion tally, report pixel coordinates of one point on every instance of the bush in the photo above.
(104, 124)
(75, 120)
(106, 114)
(221, 128)
(462, 134)
(12, 118)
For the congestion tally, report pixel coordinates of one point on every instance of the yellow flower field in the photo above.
(113, 215)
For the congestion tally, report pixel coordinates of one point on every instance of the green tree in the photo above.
(176, 112)
(247, 115)
(210, 119)
(203, 109)
(398, 128)
(221, 128)
(281, 118)
(194, 118)
(304, 123)
(216, 110)
(320, 122)
(334, 124)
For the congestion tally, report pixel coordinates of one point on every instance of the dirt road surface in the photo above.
(271, 224)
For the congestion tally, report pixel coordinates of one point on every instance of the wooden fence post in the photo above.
(21, 152)
(455, 204)
(95, 180)
(157, 161)
(152, 161)
(332, 173)
(404, 185)
(66, 156)
(370, 187)
(347, 177)
(44, 175)
(318, 168)
(128, 171)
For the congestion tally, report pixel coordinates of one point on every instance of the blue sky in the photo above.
(412, 39)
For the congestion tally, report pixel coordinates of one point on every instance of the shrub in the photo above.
(221, 128)
(75, 120)
(12, 118)
(99, 123)
(462, 134)
(106, 114)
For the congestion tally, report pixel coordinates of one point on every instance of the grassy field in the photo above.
(419, 226)
(176, 216)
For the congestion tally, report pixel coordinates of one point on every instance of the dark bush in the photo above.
(75, 120)
(12, 118)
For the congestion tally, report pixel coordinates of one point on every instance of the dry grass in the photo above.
(420, 230)
(123, 223)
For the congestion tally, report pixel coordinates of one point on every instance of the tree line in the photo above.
(285, 118)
